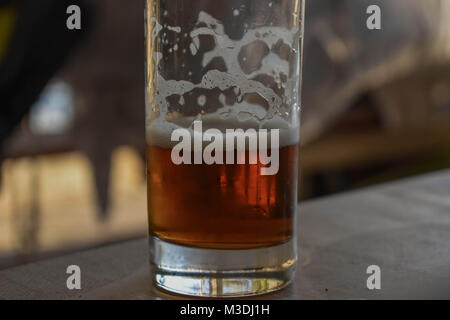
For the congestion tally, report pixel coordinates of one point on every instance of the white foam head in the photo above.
(159, 131)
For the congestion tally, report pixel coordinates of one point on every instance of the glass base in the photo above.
(219, 272)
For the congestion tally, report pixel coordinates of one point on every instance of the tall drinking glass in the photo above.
(222, 130)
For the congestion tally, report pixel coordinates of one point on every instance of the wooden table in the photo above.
(403, 227)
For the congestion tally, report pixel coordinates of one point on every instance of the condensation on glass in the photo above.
(222, 229)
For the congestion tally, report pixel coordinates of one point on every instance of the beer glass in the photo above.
(222, 131)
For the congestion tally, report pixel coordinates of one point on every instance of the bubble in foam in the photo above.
(201, 100)
(222, 99)
(225, 114)
(244, 116)
(175, 29)
(236, 12)
(195, 44)
(193, 49)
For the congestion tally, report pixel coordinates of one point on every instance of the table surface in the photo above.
(403, 227)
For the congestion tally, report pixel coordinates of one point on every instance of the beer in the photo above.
(221, 206)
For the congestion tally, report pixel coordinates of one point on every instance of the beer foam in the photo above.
(161, 122)
(159, 131)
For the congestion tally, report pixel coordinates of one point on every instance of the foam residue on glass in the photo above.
(277, 109)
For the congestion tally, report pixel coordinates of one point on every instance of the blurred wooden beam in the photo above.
(373, 147)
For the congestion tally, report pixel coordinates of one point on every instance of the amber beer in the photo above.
(221, 206)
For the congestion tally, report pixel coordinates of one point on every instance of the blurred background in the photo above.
(376, 107)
